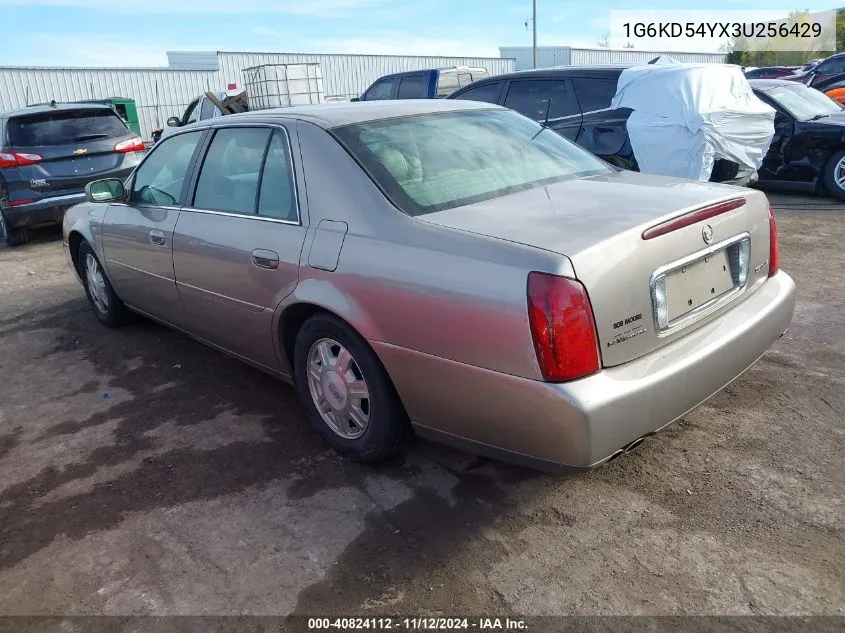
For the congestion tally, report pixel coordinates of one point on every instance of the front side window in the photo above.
(160, 177)
(192, 113)
(594, 94)
(541, 98)
(445, 160)
(228, 178)
(381, 90)
(207, 109)
(488, 93)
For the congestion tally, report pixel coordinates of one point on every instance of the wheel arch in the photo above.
(313, 296)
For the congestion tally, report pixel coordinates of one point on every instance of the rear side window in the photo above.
(64, 127)
(229, 176)
(447, 83)
(535, 98)
(276, 198)
(488, 93)
(594, 94)
(413, 87)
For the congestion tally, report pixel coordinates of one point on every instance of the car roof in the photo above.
(767, 84)
(39, 109)
(337, 114)
(594, 71)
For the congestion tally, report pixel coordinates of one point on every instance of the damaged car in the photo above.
(698, 121)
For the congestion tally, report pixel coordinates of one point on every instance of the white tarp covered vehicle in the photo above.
(705, 112)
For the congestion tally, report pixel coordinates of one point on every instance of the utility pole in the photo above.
(534, 29)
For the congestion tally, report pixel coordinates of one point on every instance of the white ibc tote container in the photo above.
(283, 85)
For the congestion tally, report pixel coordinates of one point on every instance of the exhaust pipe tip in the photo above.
(630, 447)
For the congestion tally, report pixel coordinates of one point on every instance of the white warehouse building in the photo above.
(160, 93)
(550, 56)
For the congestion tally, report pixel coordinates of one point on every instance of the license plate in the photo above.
(697, 283)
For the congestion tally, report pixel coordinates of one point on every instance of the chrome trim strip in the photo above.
(704, 309)
(138, 270)
(247, 216)
(215, 296)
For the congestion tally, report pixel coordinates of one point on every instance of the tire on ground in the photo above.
(115, 314)
(388, 430)
(830, 169)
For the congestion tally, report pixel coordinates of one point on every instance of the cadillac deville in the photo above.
(448, 268)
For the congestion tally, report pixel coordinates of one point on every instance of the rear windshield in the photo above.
(64, 127)
(435, 162)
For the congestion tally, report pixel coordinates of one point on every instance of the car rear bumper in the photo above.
(585, 422)
(47, 211)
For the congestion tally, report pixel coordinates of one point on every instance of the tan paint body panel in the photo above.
(442, 298)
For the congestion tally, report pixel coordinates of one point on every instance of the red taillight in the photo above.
(134, 144)
(774, 248)
(562, 327)
(14, 203)
(698, 215)
(16, 159)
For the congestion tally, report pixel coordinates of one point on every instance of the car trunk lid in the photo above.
(644, 293)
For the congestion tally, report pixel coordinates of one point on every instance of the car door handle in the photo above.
(265, 259)
(157, 238)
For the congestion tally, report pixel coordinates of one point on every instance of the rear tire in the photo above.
(9, 236)
(348, 396)
(834, 176)
(107, 307)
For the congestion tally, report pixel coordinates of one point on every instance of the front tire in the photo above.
(9, 236)
(834, 176)
(347, 393)
(107, 307)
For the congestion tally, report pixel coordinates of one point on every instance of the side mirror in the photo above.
(106, 190)
(174, 121)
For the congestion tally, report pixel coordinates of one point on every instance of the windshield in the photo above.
(440, 161)
(802, 102)
(65, 127)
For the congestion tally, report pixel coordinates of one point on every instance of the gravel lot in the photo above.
(142, 473)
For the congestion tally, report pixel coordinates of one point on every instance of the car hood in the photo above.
(571, 216)
(835, 120)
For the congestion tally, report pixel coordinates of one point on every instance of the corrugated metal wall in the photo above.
(350, 75)
(163, 92)
(628, 56)
(548, 56)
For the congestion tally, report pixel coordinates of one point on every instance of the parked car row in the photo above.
(50, 152)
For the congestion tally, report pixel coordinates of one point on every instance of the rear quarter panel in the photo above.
(404, 282)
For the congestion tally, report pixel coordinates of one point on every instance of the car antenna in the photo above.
(548, 107)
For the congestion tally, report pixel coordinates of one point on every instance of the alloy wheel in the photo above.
(96, 283)
(338, 389)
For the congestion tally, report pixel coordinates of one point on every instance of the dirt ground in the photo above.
(142, 473)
